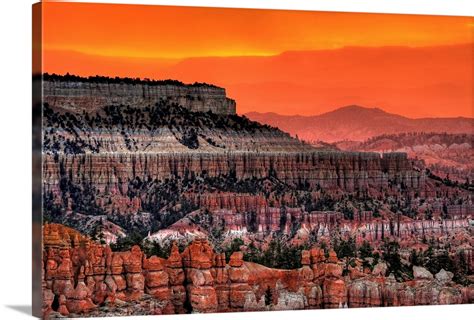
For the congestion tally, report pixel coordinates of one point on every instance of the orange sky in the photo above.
(289, 62)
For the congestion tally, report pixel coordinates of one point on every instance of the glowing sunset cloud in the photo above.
(268, 59)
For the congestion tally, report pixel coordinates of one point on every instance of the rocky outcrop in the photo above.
(406, 229)
(247, 190)
(89, 94)
(176, 276)
(329, 170)
(83, 277)
(322, 223)
(236, 189)
(197, 262)
(446, 155)
(420, 273)
(334, 288)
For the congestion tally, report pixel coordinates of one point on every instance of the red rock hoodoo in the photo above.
(83, 276)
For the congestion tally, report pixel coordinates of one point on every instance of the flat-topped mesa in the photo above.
(77, 93)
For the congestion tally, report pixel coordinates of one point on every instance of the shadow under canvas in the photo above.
(21, 308)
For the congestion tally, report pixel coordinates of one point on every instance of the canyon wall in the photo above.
(81, 276)
(323, 223)
(90, 96)
(330, 170)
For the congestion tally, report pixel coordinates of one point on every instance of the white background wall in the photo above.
(15, 154)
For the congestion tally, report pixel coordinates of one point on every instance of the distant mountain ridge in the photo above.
(443, 153)
(358, 123)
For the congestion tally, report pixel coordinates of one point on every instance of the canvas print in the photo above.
(199, 160)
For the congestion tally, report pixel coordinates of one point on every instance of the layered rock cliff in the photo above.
(81, 277)
(158, 128)
(76, 94)
(445, 154)
(123, 187)
(329, 170)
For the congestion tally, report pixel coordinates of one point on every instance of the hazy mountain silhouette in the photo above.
(358, 124)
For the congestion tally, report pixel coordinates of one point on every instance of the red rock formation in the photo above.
(81, 276)
(221, 282)
(334, 287)
(174, 269)
(197, 261)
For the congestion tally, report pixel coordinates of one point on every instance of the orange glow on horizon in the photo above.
(180, 32)
(410, 60)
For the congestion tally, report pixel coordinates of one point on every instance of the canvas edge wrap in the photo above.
(37, 213)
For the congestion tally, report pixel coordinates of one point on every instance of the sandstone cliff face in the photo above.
(236, 188)
(88, 95)
(445, 154)
(165, 126)
(84, 278)
(324, 223)
(330, 170)
(145, 186)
